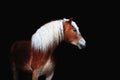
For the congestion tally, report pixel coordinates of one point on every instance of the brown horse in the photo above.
(35, 56)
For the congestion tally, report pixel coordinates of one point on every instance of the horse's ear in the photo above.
(70, 20)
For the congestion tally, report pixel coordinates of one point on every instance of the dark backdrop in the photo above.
(21, 20)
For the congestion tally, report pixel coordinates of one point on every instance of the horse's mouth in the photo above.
(81, 46)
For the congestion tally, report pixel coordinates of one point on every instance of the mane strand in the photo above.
(48, 36)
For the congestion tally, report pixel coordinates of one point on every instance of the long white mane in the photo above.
(49, 35)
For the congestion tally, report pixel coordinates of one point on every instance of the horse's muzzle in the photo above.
(82, 43)
(82, 46)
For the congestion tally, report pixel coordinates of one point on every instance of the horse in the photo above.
(35, 55)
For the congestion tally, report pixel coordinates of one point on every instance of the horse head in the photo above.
(72, 34)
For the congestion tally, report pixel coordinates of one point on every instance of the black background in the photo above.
(21, 19)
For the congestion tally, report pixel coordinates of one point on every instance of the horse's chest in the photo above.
(47, 68)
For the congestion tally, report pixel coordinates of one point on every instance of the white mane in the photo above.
(49, 35)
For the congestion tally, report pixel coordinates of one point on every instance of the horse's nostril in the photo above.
(82, 42)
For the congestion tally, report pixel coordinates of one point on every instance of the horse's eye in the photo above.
(75, 30)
